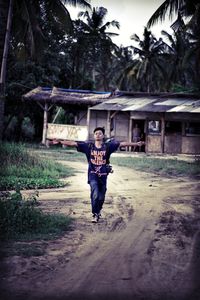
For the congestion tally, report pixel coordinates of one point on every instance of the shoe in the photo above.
(95, 218)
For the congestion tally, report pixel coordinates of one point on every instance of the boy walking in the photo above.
(98, 154)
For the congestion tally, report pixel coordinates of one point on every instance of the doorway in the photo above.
(138, 134)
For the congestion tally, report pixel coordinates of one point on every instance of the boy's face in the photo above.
(98, 135)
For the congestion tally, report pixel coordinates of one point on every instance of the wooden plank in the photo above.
(88, 122)
(162, 139)
(108, 124)
(45, 124)
(67, 132)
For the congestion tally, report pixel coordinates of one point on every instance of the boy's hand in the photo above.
(140, 143)
(54, 142)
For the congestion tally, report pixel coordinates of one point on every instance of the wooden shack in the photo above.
(76, 102)
(168, 123)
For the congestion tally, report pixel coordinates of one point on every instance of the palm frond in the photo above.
(111, 33)
(179, 24)
(168, 6)
(58, 12)
(108, 24)
(81, 3)
(135, 37)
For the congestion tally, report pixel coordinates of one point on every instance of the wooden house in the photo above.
(169, 123)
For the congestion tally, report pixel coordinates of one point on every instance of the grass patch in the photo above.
(21, 219)
(165, 167)
(22, 167)
(58, 153)
(162, 166)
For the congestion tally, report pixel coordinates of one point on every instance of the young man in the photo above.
(98, 154)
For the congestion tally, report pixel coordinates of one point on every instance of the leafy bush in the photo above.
(10, 183)
(20, 217)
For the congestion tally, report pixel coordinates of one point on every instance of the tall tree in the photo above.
(186, 8)
(6, 17)
(178, 45)
(26, 17)
(183, 9)
(97, 38)
(149, 69)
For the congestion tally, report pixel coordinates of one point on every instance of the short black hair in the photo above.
(99, 128)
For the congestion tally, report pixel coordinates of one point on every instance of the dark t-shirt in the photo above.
(97, 158)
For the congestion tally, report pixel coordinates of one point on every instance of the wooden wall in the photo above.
(172, 143)
(121, 127)
(154, 144)
(98, 118)
(191, 144)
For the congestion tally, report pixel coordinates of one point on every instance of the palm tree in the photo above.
(6, 15)
(97, 37)
(183, 8)
(178, 45)
(148, 69)
(26, 16)
(123, 65)
(193, 31)
(186, 8)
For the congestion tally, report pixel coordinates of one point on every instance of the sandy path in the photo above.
(145, 247)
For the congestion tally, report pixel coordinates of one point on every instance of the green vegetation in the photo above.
(81, 54)
(164, 166)
(20, 218)
(59, 154)
(22, 168)
(167, 167)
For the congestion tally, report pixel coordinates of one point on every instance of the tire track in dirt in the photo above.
(127, 255)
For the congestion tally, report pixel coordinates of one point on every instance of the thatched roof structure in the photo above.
(66, 96)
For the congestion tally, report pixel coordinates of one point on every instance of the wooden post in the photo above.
(108, 124)
(162, 134)
(183, 128)
(146, 134)
(75, 119)
(130, 132)
(56, 114)
(45, 124)
(88, 121)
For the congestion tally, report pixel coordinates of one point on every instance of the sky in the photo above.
(132, 16)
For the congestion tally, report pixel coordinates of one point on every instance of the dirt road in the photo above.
(146, 246)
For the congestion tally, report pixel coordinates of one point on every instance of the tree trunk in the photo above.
(94, 77)
(6, 8)
(18, 129)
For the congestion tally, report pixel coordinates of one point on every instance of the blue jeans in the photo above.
(98, 191)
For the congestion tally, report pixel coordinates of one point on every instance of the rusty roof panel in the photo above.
(150, 104)
(196, 110)
(170, 102)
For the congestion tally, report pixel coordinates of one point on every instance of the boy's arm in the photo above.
(126, 144)
(66, 143)
(69, 143)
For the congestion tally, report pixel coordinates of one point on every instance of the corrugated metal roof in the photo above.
(138, 103)
(150, 104)
(196, 110)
